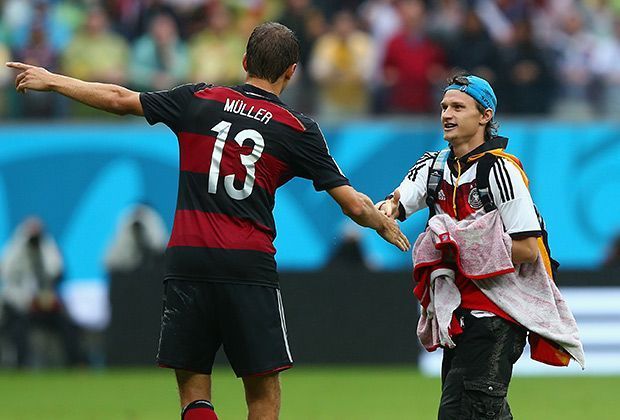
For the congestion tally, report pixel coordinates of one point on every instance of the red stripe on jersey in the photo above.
(474, 299)
(252, 106)
(196, 151)
(271, 173)
(213, 230)
(465, 198)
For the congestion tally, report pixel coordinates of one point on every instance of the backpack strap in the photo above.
(483, 170)
(435, 176)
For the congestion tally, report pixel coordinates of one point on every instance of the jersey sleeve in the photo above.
(413, 187)
(312, 160)
(168, 106)
(513, 200)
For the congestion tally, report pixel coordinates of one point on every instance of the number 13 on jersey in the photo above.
(248, 161)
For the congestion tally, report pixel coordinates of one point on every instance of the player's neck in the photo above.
(462, 148)
(275, 88)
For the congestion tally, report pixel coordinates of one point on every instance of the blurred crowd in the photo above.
(544, 57)
(43, 324)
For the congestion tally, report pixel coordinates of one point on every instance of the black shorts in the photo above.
(198, 317)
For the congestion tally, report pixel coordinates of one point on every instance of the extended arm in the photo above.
(362, 211)
(107, 97)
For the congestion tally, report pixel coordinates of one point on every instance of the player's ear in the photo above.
(486, 116)
(290, 72)
(245, 62)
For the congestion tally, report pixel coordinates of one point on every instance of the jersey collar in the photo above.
(497, 142)
(256, 91)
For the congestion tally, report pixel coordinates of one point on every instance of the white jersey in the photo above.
(508, 192)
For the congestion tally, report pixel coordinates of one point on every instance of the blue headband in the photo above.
(479, 89)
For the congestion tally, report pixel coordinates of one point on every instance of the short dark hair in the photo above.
(271, 49)
(490, 130)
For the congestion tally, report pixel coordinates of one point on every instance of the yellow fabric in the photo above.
(216, 58)
(101, 57)
(341, 68)
(501, 153)
(456, 185)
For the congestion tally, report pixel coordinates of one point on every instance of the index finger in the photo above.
(17, 65)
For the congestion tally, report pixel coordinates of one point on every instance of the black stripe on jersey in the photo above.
(499, 187)
(526, 234)
(193, 195)
(213, 264)
(413, 172)
(502, 178)
(491, 194)
(508, 180)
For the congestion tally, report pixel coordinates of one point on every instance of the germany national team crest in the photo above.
(474, 199)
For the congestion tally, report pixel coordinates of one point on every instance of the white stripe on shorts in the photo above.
(283, 324)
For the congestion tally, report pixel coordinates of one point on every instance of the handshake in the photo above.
(389, 229)
(390, 206)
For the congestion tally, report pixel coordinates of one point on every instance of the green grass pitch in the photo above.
(309, 393)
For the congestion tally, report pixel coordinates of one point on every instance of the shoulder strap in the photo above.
(435, 175)
(483, 171)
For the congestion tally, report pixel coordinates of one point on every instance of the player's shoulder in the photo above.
(192, 88)
(309, 125)
(506, 178)
(426, 159)
(423, 163)
(508, 167)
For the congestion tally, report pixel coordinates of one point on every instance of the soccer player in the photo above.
(237, 146)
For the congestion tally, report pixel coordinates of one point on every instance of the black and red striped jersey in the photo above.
(237, 145)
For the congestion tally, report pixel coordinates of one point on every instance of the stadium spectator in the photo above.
(473, 51)
(141, 236)
(575, 46)
(341, 66)
(599, 15)
(606, 68)
(31, 269)
(382, 20)
(221, 256)
(160, 59)
(445, 20)
(132, 18)
(300, 16)
(70, 12)
(38, 51)
(96, 53)
(546, 17)
(498, 17)
(39, 15)
(413, 63)
(220, 39)
(529, 80)
(308, 23)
